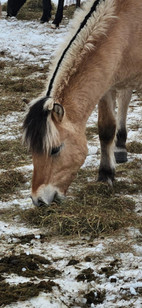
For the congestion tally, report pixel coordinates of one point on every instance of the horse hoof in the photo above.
(106, 176)
(107, 181)
(43, 21)
(121, 156)
(53, 26)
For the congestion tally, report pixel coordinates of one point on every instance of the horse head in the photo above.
(58, 149)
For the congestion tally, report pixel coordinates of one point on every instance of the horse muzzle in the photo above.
(45, 195)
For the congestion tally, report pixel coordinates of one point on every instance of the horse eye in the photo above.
(55, 150)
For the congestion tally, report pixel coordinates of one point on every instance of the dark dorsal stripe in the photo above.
(83, 23)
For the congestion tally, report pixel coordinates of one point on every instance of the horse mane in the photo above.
(88, 25)
(40, 132)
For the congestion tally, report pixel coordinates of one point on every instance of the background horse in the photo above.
(101, 61)
(13, 6)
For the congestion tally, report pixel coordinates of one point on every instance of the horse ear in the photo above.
(58, 112)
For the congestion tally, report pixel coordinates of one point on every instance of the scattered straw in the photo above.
(134, 147)
(10, 181)
(13, 154)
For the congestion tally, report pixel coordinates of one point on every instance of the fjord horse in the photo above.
(13, 6)
(99, 63)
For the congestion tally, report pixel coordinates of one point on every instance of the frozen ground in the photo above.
(83, 263)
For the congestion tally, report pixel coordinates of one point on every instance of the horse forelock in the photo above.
(40, 133)
(88, 26)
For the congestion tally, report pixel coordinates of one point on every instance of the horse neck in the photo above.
(85, 90)
(97, 74)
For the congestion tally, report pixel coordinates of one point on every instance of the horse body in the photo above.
(101, 60)
(13, 6)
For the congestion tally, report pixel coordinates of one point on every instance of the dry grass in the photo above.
(18, 86)
(10, 182)
(11, 103)
(28, 70)
(95, 209)
(13, 154)
(69, 10)
(2, 65)
(91, 132)
(21, 85)
(32, 10)
(134, 147)
(35, 13)
(93, 218)
(128, 169)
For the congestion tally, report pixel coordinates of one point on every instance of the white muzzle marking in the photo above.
(46, 194)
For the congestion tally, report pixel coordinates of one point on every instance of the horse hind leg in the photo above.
(107, 129)
(123, 99)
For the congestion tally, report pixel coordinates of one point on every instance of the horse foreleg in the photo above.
(59, 13)
(123, 99)
(47, 7)
(13, 7)
(77, 3)
(107, 128)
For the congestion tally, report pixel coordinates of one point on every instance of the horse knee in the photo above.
(107, 132)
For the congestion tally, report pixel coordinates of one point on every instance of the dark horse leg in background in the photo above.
(13, 6)
(77, 3)
(123, 99)
(47, 7)
(59, 13)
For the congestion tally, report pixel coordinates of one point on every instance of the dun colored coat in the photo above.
(101, 61)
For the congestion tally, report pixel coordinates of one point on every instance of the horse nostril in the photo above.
(57, 198)
(40, 202)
